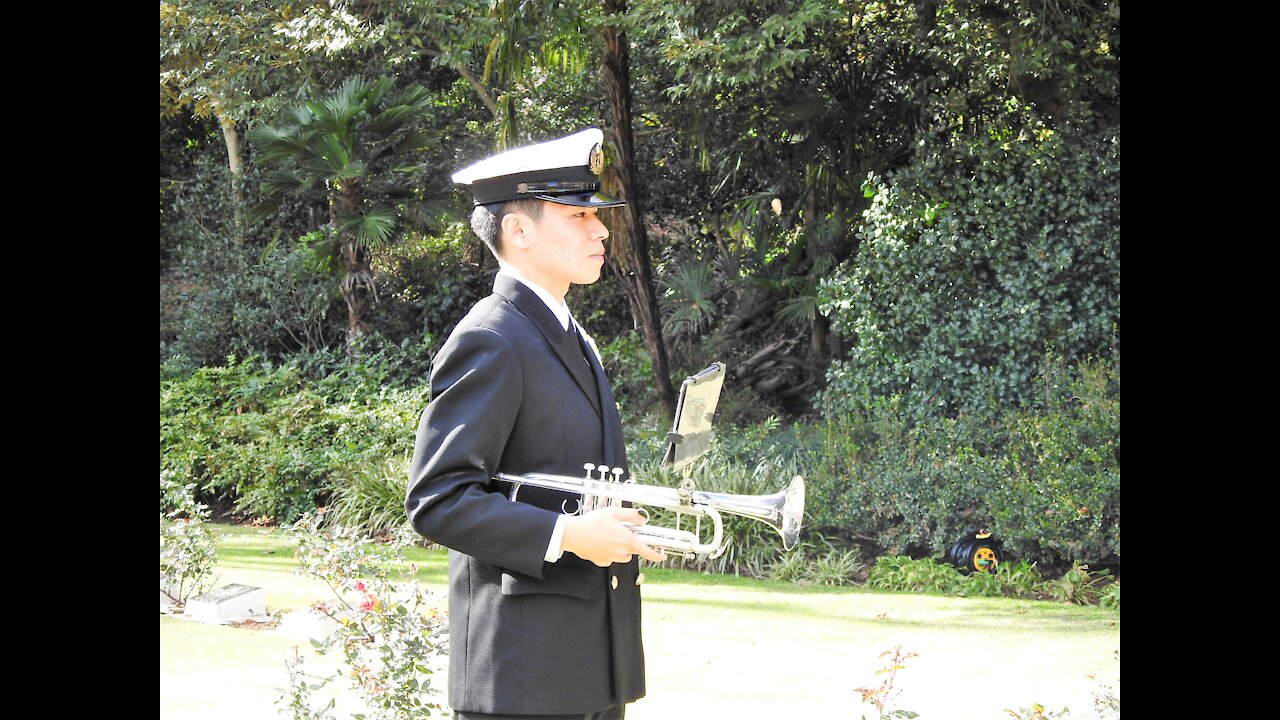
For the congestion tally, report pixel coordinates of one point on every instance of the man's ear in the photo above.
(513, 227)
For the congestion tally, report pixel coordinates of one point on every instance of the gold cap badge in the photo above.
(596, 160)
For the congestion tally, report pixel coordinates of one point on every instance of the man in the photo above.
(544, 608)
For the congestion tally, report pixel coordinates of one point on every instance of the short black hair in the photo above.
(486, 220)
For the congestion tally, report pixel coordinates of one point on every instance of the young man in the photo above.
(544, 608)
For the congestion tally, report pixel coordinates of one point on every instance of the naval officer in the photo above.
(544, 607)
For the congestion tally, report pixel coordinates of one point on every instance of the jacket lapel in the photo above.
(562, 343)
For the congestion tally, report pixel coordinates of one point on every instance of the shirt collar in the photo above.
(559, 309)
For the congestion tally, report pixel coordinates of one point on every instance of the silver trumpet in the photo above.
(783, 511)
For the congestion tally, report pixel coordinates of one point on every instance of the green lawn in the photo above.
(716, 647)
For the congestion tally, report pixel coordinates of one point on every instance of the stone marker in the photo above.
(229, 603)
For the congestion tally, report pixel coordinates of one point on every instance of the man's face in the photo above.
(566, 246)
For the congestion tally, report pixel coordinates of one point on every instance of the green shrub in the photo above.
(1110, 596)
(804, 565)
(266, 440)
(975, 260)
(371, 499)
(1046, 481)
(929, 575)
(1059, 499)
(904, 574)
(1080, 586)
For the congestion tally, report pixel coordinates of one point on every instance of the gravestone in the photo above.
(229, 603)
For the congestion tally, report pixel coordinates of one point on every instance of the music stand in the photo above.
(690, 435)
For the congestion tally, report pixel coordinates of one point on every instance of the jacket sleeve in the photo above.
(452, 498)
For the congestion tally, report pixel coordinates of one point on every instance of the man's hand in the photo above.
(602, 536)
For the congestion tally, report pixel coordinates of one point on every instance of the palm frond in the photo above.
(335, 153)
(264, 209)
(688, 301)
(371, 228)
(279, 182)
(389, 120)
(798, 311)
(276, 144)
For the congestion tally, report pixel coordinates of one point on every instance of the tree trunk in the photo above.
(357, 277)
(617, 77)
(232, 138)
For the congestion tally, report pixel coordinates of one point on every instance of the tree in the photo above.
(228, 59)
(639, 281)
(357, 143)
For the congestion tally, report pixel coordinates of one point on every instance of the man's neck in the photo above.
(555, 304)
(557, 294)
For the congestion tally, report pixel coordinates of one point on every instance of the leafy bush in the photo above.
(904, 574)
(1059, 495)
(1079, 586)
(982, 255)
(187, 545)
(929, 575)
(371, 499)
(1045, 481)
(387, 631)
(267, 440)
(805, 566)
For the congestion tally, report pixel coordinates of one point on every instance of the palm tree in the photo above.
(357, 143)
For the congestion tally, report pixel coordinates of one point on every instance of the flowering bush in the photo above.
(386, 630)
(187, 545)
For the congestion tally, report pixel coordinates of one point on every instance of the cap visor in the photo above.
(584, 200)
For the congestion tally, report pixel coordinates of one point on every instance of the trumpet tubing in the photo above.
(783, 510)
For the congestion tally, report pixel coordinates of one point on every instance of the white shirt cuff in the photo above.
(554, 550)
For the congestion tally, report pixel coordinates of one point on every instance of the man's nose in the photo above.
(598, 230)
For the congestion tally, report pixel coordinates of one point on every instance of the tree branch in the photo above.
(470, 77)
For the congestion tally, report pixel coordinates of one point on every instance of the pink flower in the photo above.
(368, 603)
(360, 585)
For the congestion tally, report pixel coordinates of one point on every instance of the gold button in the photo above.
(614, 582)
(640, 578)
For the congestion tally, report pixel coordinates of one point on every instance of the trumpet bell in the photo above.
(792, 513)
(783, 511)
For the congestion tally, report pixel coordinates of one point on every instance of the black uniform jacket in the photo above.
(512, 392)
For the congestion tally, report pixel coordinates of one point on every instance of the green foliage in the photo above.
(361, 143)
(1059, 498)
(805, 566)
(1081, 586)
(1110, 596)
(904, 574)
(1045, 481)
(188, 548)
(388, 632)
(268, 440)
(930, 575)
(626, 361)
(370, 499)
(975, 261)
(227, 301)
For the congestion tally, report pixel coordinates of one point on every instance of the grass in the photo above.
(715, 646)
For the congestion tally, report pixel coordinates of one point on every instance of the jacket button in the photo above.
(640, 578)
(614, 582)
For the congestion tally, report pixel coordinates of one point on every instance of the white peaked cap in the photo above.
(565, 171)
